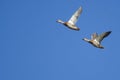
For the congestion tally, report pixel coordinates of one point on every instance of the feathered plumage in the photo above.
(96, 39)
(72, 21)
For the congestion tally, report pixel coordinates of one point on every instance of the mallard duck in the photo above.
(72, 21)
(96, 39)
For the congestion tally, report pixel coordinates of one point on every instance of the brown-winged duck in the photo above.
(72, 21)
(96, 39)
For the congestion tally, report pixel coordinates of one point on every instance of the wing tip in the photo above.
(109, 32)
(81, 8)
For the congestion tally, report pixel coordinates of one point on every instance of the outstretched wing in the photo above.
(75, 16)
(102, 36)
(93, 36)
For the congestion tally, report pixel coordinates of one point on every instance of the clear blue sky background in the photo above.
(34, 47)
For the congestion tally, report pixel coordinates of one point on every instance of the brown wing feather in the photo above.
(102, 36)
(93, 36)
(75, 16)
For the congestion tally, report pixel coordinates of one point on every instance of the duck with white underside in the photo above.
(72, 21)
(96, 39)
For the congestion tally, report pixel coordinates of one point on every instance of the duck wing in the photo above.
(75, 16)
(94, 35)
(102, 36)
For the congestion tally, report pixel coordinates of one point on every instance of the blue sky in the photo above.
(35, 47)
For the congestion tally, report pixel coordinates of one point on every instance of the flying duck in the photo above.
(96, 39)
(72, 21)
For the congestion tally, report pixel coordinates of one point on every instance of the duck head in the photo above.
(60, 21)
(85, 39)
